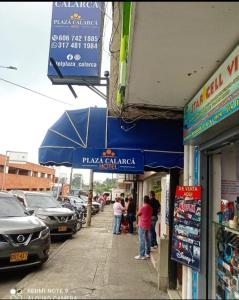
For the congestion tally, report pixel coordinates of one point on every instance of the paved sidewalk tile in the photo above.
(94, 264)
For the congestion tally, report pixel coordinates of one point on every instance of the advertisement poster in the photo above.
(186, 227)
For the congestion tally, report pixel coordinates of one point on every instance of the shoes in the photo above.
(118, 233)
(140, 257)
(114, 232)
(155, 246)
(147, 256)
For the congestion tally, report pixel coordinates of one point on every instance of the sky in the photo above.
(25, 116)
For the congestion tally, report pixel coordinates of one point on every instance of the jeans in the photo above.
(154, 220)
(102, 206)
(144, 241)
(131, 219)
(116, 228)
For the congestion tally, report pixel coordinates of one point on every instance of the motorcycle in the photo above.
(79, 211)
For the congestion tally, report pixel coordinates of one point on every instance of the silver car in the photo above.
(24, 239)
(61, 221)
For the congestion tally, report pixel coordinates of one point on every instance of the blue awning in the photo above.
(91, 132)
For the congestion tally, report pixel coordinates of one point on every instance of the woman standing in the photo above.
(131, 213)
(118, 211)
(144, 214)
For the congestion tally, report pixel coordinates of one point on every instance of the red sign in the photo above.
(193, 192)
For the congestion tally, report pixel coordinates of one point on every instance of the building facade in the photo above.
(25, 176)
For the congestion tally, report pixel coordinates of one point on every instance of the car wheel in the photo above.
(78, 226)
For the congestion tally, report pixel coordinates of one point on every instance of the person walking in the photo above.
(102, 201)
(144, 214)
(156, 209)
(118, 211)
(131, 213)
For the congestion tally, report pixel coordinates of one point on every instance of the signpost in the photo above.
(75, 42)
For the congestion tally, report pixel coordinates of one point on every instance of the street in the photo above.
(94, 264)
(8, 280)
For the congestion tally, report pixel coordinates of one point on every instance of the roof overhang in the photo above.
(174, 47)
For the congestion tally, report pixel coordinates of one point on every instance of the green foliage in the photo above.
(76, 182)
(105, 186)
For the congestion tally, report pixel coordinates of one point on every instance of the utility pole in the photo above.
(90, 196)
(4, 170)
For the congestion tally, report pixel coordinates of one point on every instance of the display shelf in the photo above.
(227, 228)
(227, 271)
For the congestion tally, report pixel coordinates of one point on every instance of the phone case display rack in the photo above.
(227, 262)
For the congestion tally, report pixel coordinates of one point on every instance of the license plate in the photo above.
(18, 256)
(62, 228)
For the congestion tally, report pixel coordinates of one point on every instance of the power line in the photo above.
(38, 93)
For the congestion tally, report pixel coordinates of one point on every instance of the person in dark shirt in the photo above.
(131, 213)
(156, 209)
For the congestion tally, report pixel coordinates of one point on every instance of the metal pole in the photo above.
(4, 170)
(90, 196)
(71, 177)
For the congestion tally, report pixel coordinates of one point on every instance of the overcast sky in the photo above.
(25, 116)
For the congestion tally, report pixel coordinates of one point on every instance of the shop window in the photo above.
(225, 242)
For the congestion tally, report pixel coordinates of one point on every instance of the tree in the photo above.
(105, 186)
(76, 182)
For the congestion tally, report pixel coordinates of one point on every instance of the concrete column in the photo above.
(163, 207)
(190, 182)
(185, 182)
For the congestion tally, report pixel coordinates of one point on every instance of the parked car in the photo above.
(79, 209)
(81, 202)
(61, 221)
(95, 205)
(24, 239)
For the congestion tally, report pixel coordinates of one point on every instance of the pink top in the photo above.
(118, 209)
(145, 214)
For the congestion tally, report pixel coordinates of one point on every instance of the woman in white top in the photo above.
(118, 211)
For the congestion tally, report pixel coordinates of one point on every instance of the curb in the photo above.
(22, 282)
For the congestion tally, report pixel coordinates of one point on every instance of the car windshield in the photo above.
(41, 201)
(10, 207)
(75, 199)
(85, 198)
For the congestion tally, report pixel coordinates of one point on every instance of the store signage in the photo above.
(111, 161)
(186, 227)
(75, 42)
(218, 99)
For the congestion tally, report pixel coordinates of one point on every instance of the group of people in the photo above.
(147, 218)
(124, 210)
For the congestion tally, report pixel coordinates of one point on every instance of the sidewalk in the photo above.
(95, 264)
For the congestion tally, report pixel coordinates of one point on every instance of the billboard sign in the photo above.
(17, 157)
(218, 99)
(110, 161)
(76, 38)
(186, 227)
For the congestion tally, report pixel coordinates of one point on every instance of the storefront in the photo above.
(211, 127)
